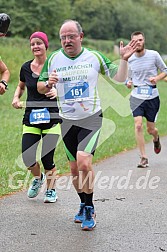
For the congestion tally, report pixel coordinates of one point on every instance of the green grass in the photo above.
(121, 138)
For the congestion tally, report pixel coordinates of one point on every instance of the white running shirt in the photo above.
(78, 77)
(141, 69)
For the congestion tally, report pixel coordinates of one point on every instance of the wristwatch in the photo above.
(5, 84)
(47, 84)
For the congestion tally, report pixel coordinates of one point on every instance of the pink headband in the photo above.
(42, 36)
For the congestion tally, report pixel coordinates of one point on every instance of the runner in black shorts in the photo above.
(146, 68)
(40, 121)
(145, 108)
(81, 135)
(74, 70)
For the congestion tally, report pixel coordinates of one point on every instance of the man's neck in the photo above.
(141, 53)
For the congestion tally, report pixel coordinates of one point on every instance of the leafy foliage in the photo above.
(107, 20)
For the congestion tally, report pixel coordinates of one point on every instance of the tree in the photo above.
(107, 20)
(29, 16)
(97, 18)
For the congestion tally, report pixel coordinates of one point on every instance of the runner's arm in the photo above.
(18, 93)
(5, 74)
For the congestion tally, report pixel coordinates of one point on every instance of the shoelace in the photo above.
(81, 210)
(49, 193)
(88, 214)
(35, 184)
(143, 160)
(157, 144)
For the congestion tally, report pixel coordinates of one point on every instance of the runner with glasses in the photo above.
(74, 71)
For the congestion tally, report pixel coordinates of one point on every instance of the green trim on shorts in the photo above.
(91, 143)
(69, 155)
(54, 130)
(33, 130)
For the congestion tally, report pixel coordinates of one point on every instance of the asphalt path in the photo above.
(130, 205)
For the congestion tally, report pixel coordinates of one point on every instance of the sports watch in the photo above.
(47, 84)
(5, 84)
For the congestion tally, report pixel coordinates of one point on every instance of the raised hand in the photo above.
(128, 50)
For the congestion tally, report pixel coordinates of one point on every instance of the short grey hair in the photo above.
(79, 27)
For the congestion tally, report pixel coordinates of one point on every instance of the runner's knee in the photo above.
(139, 127)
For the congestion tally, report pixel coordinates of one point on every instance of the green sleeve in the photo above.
(113, 68)
(44, 73)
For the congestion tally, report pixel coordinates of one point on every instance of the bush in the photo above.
(105, 46)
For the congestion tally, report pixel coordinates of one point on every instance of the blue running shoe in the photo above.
(79, 217)
(50, 196)
(35, 186)
(89, 222)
